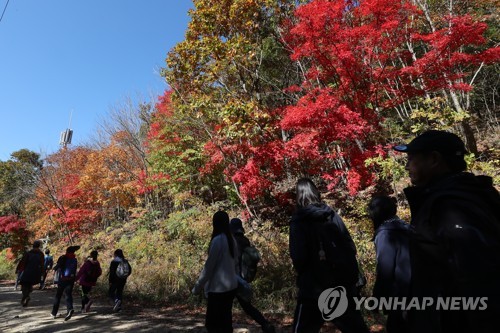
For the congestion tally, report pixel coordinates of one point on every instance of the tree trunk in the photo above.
(470, 140)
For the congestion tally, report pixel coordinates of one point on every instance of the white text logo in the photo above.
(333, 303)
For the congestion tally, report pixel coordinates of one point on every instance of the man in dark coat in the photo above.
(455, 250)
(32, 262)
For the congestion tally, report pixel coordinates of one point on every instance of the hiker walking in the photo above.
(31, 266)
(47, 266)
(87, 277)
(456, 245)
(392, 245)
(66, 269)
(119, 271)
(248, 257)
(218, 277)
(324, 256)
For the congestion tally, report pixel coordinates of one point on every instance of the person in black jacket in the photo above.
(65, 268)
(243, 242)
(117, 281)
(313, 230)
(32, 267)
(392, 245)
(455, 250)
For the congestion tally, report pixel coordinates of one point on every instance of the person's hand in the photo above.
(196, 289)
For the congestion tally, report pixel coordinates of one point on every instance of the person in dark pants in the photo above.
(32, 267)
(47, 266)
(392, 245)
(87, 277)
(218, 278)
(456, 245)
(118, 278)
(66, 266)
(324, 256)
(242, 243)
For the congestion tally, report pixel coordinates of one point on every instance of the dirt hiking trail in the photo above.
(133, 318)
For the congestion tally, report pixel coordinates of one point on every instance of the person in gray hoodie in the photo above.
(392, 245)
(218, 277)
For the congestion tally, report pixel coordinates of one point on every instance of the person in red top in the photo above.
(87, 277)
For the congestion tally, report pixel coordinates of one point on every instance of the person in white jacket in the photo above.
(218, 278)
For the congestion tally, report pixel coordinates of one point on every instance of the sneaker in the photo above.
(24, 301)
(87, 306)
(117, 306)
(68, 316)
(53, 316)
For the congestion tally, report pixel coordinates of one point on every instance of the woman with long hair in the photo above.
(218, 277)
(324, 256)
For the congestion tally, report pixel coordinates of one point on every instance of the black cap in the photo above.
(444, 142)
(72, 248)
(236, 226)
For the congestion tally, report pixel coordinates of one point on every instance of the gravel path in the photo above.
(133, 318)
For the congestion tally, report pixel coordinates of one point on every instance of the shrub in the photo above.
(7, 266)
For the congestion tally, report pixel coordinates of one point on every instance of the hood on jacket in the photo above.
(394, 224)
(318, 213)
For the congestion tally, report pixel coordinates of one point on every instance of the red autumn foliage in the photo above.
(361, 59)
(360, 64)
(11, 223)
(14, 230)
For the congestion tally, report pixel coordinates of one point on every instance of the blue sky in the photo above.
(87, 56)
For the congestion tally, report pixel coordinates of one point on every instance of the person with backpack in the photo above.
(47, 266)
(392, 245)
(87, 277)
(456, 244)
(324, 256)
(119, 271)
(248, 258)
(31, 266)
(218, 277)
(66, 269)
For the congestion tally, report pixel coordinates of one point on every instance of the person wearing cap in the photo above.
(243, 242)
(32, 267)
(66, 267)
(456, 245)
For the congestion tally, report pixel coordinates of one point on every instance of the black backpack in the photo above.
(66, 268)
(250, 257)
(333, 257)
